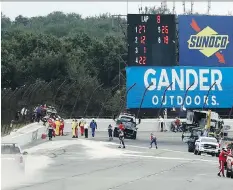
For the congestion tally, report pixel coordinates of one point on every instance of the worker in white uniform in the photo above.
(86, 130)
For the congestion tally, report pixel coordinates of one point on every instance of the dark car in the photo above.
(129, 122)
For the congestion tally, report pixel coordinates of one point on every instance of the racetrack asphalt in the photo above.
(134, 168)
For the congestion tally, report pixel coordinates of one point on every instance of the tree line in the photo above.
(78, 55)
(73, 61)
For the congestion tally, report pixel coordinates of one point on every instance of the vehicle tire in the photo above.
(213, 154)
(199, 153)
(115, 133)
(195, 152)
(228, 173)
(190, 147)
(134, 136)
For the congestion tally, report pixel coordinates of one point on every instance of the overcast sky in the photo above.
(30, 9)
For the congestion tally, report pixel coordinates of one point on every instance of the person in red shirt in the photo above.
(61, 128)
(222, 159)
(121, 127)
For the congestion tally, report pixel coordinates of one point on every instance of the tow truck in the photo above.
(129, 122)
(197, 123)
(201, 118)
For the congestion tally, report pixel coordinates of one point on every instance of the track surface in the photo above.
(168, 167)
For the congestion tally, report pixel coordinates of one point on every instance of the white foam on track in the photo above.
(99, 150)
(52, 145)
(12, 177)
(94, 149)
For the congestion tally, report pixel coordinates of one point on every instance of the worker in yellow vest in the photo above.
(57, 130)
(74, 129)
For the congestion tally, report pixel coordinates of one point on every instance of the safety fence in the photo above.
(71, 100)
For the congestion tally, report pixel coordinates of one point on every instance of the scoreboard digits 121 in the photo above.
(151, 40)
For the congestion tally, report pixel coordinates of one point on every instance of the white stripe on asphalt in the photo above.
(172, 158)
(142, 147)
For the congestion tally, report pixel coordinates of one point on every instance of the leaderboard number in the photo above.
(164, 30)
(141, 60)
(140, 29)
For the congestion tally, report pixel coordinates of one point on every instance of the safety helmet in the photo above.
(57, 119)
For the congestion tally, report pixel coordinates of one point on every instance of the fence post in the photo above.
(84, 114)
(143, 98)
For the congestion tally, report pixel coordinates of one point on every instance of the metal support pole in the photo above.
(102, 105)
(84, 114)
(54, 99)
(185, 95)
(164, 93)
(143, 98)
(119, 70)
(124, 105)
(66, 93)
(76, 100)
(79, 92)
(208, 95)
(229, 116)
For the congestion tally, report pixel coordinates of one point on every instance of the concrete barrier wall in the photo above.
(146, 124)
(26, 134)
(34, 131)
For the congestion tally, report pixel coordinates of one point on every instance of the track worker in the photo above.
(58, 124)
(86, 130)
(153, 139)
(50, 132)
(222, 160)
(61, 130)
(110, 130)
(81, 125)
(121, 127)
(76, 128)
(93, 126)
(121, 138)
(73, 125)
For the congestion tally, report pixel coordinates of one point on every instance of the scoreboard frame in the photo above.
(152, 40)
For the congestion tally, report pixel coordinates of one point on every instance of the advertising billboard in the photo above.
(199, 79)
(205, 40)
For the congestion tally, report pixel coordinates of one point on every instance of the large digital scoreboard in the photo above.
(151, 40)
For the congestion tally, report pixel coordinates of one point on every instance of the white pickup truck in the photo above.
(208, 145)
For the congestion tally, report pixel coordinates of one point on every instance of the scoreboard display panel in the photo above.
(151, 40)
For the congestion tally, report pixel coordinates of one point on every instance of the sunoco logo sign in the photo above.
(208, 42)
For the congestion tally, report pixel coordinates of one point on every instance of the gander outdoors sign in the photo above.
(206, 40)
(201, 78)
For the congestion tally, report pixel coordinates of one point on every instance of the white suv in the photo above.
(208, 145)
